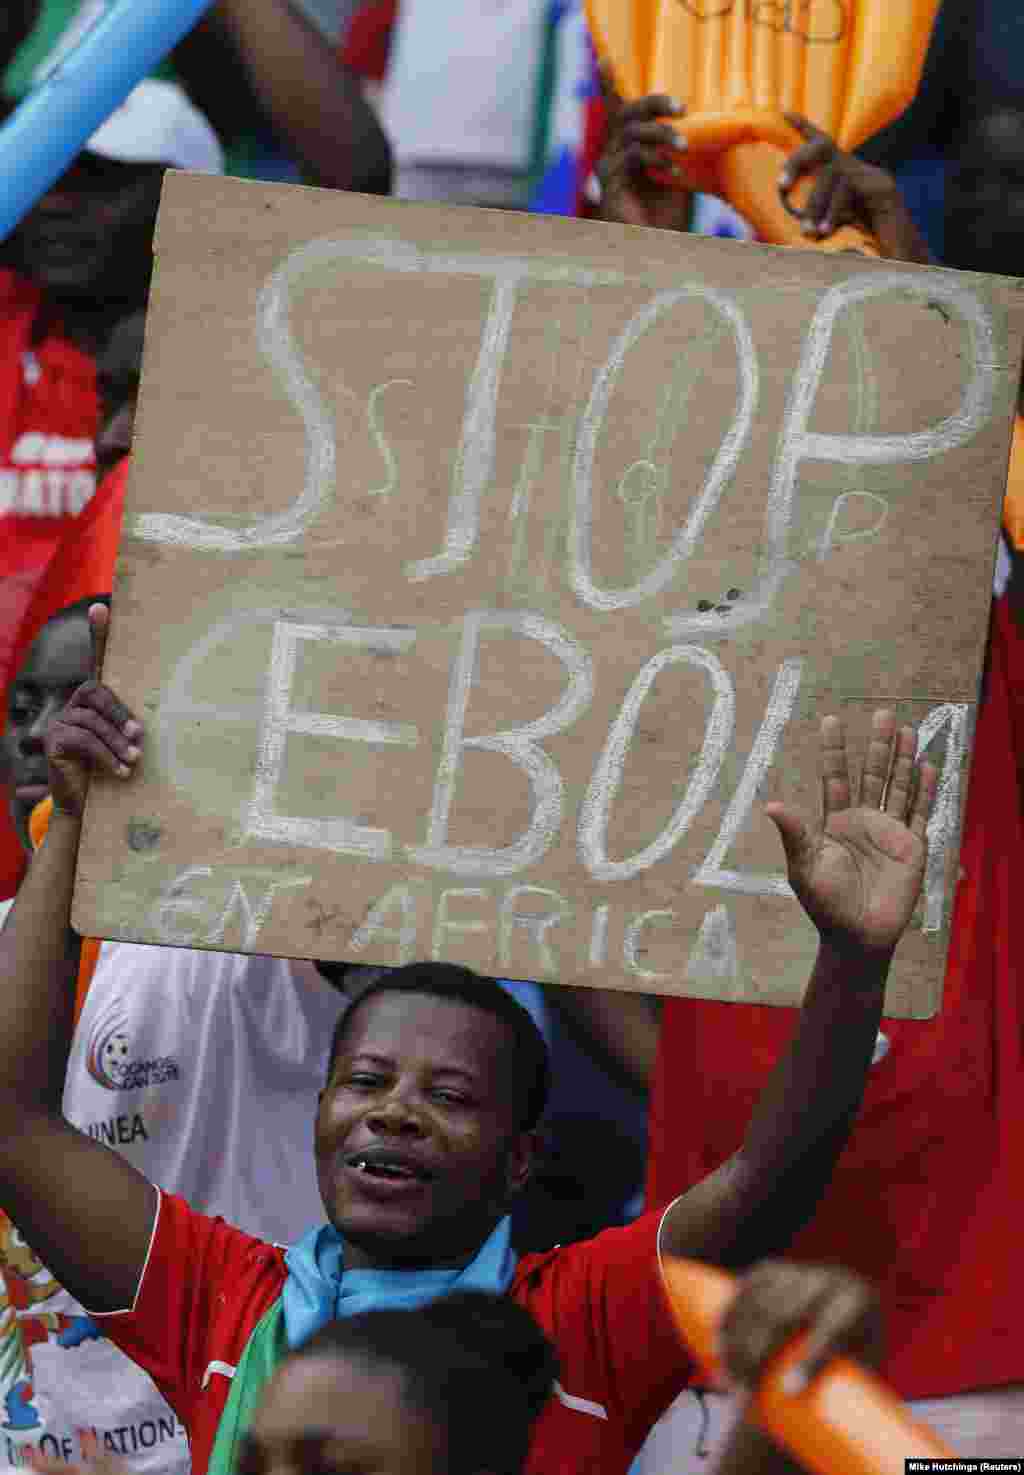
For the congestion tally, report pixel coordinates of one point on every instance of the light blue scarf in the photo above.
(319, 1288)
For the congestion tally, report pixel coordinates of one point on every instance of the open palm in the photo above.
(859, 876)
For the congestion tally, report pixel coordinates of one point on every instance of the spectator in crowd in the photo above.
(425, 1131)
(985, 197)
(271, 84)
(118, 370)
(88, 242)
(78, 264)
(451, 1389)
(455, 1387)
(458, 101)
(847, 191)
(271, 56)
(196, 1066)
(943, 1276)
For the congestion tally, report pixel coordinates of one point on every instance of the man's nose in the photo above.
(396, 1113)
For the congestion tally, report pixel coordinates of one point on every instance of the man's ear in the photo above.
(522, 1158)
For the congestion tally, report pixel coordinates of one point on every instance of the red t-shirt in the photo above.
(601, 1303)
(48, 416)
(928, 1198)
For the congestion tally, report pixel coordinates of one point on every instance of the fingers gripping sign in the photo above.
(94, 733)
(859, 876)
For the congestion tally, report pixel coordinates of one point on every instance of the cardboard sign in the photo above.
(484, 573)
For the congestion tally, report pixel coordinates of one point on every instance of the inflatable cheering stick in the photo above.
(844, 1422)
(849, 66)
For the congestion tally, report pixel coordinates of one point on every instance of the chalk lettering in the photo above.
(403, 898)
(343, 836)
(798, 444)
(185, 920)
(536, 925)
(463, 927)
(474, 461)
(714, 958)
(722, 468)
(711, 872)
(599, 937)
(945, 817)
(631, 945)
(607, 776)
(384, 446)
(520, 744)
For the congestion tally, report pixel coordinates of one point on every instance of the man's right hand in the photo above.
(94, 731)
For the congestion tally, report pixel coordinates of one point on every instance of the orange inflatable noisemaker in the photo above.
(845, 1422)
(849, 66)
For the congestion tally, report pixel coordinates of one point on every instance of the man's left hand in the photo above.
(859, 878)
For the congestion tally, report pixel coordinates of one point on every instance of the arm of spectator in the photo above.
(848, 191)
(775, 1301)
(618, 1028)
(315, 100)
(858, 877)
(87, 1214)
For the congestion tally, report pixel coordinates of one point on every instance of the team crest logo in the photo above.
(111, 1062)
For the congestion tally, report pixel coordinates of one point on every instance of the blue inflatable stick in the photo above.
(41, 138)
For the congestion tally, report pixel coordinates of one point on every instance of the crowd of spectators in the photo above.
(722, 1136)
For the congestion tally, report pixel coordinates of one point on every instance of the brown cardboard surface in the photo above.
(421, 495)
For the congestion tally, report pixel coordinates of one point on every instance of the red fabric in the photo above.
(366, 44)
(927, 1199)
(48, 415)
(595, 137)
(81, 562)
(206, 1286)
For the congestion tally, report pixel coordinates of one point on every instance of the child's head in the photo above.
(452, 1389)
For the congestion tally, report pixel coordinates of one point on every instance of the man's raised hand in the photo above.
(94, 731)
(859, 875)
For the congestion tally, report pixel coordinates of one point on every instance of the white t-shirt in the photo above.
(461, 88)
(202, 1069)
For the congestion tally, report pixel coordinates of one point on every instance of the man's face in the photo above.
(59, 660)
(117, 382)
(419, 1146)
(91, 234)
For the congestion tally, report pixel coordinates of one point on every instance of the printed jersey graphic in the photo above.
(24, 1283)
(108, 1056)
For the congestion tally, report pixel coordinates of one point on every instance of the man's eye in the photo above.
(452, 1098)
(368, 1082)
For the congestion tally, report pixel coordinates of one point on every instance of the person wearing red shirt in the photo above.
(426, 1130)
(77, 266)
(935, 1134)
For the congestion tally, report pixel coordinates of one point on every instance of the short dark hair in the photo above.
(477, 1365)
(463, 986)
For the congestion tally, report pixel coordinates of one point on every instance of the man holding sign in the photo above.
(425, 1132)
